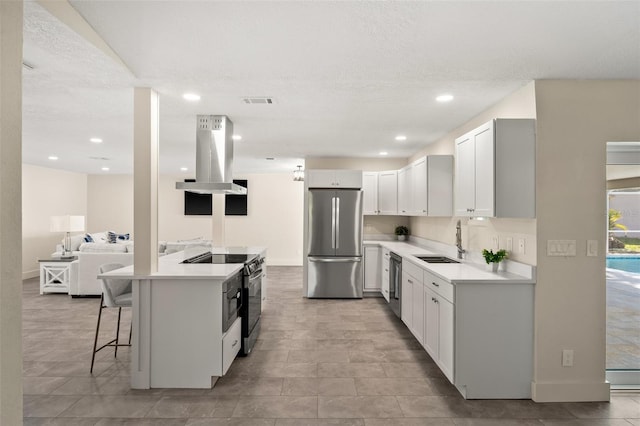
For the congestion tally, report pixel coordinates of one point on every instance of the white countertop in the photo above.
(456, 273)
(170, 266)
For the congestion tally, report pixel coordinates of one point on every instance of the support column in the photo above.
(145, 180)
(217, 216)
(11, 212)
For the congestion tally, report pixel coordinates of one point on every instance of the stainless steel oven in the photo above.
(395, 283)
(231, 300)
(252, 305)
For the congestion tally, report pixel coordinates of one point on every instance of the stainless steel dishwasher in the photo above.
(395, 283)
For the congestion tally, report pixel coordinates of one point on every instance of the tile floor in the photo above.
(318, 362)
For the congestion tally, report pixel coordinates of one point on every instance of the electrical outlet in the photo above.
(494, 242)
(567, 357)
(521, 245)
(592, 248)
(509, 244)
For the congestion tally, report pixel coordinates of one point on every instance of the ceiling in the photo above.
(346, 77)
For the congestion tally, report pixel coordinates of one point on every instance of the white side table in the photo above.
(56, 274)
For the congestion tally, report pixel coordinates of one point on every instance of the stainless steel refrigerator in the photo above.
(334, 251)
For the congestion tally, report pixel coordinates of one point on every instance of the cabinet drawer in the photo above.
(438, 285)
(231, 343)
(413, 270)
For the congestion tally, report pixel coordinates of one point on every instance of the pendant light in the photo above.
(298, 174)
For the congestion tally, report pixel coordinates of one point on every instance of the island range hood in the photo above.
(214, 157)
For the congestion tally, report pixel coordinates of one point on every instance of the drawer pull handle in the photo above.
(234, 343)
(437, 285)
(410, 282)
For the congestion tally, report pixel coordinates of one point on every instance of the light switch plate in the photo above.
(592, 248)
(509, 243)
(561, 247)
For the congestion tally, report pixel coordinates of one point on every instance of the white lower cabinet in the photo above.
(231, 343)
(384, 270)
(412, 308)
(406, 312)
(372, 269)
(438, 326)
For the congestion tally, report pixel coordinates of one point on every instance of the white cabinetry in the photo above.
(495, 170)
(380, 192)
(388, 192)
(370, 193)
(438, 322)
(321, 178)
(384, 270)
(372, 268)
(432, 186)
(405, 185)
(412, 301)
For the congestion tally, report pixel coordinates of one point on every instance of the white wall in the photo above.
(274, 207)
(477, 234)
(575, 120)
(110, 203)
(45, 193)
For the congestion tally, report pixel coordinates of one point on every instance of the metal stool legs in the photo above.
(113, 342)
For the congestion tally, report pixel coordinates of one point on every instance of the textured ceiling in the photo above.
(346, 76)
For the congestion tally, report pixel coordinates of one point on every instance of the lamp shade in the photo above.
(67, 223)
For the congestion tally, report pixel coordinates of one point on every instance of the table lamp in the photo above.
(67, 224)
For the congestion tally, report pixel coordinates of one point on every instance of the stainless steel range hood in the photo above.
(214, 157)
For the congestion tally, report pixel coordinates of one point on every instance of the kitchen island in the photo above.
(177, 323)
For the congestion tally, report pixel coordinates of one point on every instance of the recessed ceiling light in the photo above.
(384, 153)
(95, 140)
(183, 169)
(401, 138)
(444, 98)
(105, 169)
(236, 137)
(191, 97)
(52, 157)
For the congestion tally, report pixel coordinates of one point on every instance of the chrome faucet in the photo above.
(459, 240)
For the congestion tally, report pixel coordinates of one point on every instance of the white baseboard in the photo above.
(570, 392)
(26, 275)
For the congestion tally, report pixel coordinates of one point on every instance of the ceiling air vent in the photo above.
(100, 158)
(258, 100)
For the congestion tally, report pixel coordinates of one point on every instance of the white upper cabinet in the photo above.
(370, 193)
(419, 197)
(405, 185)
(432, 189)
(495, 170)
(388, 192)
(380, 193)
(339, 179)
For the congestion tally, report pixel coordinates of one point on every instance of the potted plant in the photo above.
(402, 232)
(494, 259)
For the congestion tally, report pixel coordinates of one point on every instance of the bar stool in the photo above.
(116, 293)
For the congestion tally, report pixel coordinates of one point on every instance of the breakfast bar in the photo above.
(179, 335)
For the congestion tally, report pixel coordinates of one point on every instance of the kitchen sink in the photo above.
(436, 259)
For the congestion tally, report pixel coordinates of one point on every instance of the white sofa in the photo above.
(92, 255)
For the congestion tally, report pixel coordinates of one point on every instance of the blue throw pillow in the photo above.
(87, 238)
(112, 237)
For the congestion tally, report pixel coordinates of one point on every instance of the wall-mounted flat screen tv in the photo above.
(196, 204)
(200, 204)
(236, 205)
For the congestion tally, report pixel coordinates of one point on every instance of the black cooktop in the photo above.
(220, 258)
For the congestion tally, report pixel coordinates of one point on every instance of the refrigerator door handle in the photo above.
(337, 223)
(333, 222)
(335, 259)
